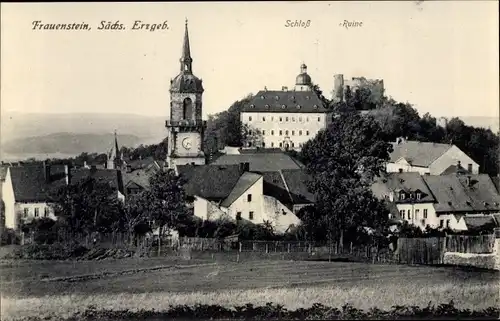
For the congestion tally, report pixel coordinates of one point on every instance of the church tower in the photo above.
(114, 158)
(185, 126)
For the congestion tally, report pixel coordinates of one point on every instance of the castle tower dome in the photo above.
(303, 80)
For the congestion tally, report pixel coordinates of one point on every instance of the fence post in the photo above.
(267, 248)
(240, 247)
(288, 247)
(350, 251)
(202, 244)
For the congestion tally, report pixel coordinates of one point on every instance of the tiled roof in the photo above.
(294, 102)
(497, 218)
(111, 176)
(296, 180)
(475, 222)
(407, 182)
(259, 150)
(260, 162)
(211, 182)
(418, 153)
(275, 186)
(453, 194)
(453, 169)
(139, 177)
(29, 182)
(140, 163)
(244, 183)
(496, 182)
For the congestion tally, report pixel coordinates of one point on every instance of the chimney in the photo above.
(46, 171)
(284, 88)
(244, 167)
(265, 88)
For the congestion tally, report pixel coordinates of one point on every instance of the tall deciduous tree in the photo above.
(343, 160)
(166, 200)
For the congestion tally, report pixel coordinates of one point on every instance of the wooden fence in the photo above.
(478, 244)
(429, 250)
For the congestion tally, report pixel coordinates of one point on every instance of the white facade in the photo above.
(401, 165)
(275, 130)
(256, 208)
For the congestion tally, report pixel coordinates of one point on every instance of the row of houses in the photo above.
(425, 183)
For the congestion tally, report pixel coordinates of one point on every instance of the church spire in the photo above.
(186, 60)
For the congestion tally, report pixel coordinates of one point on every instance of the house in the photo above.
(428, 158)
(233, 192)
(26, 190)
(137, 174)
(285, 119)
(454, 201)
(462, 196)
(411, 196)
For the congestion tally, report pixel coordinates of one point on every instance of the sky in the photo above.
(441, 56)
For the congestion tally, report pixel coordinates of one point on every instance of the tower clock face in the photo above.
(186, 143)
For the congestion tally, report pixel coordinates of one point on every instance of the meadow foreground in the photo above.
(292, 284)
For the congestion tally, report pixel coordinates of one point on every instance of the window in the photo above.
(293, 119)
(307, 119)
(249, 197)
(250, 215)
(300, 133)
(263, 132)
(447, 223)
(469, 168)
(238, 216)
(441, 223)
(422, 222)
(300, 118)
(37, 212)
(286, 119)
(263, 118)
(307, 133)
(286, 132)
(250, 132)
(272, 118)
(416, 214)
(26, 211)
(281, 119)
(409, 214)
(249, 118)
(319, 118)
(400, 170)
(272, 144)
(263, 144)
(293, 132)
(281, 144)
(281, 133)
(272, 132)
(249, 144)
(425, 213)
(419, 196)
(390, 215)
(46, 212)
(402, 196)
(402, 213)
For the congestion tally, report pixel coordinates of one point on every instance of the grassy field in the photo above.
(35, 291)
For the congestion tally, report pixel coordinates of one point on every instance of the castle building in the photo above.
(185, 126)
(285, 118)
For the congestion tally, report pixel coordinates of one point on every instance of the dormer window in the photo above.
(298, 106)
(267, 106)
(402, 196)
(277, 97)
(261, 97)
(252, 106)
(315, 107)
(283, 106)
(307, 97)
(419, 196)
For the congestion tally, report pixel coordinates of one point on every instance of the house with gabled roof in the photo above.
(411, 196)
(26, 190)
(455, 201)
(233, 192)
(428, 158)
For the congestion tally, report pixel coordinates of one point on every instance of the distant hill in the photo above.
(25, 135)
(486, 122)
(24, 125)
(65, 144)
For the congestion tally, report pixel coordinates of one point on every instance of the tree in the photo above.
(136, 215)
(342, 161)
(86, 206)
(166, 200)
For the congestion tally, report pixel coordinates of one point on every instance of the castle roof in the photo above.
(286, 102)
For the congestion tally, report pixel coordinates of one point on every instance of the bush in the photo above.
(9, 237)
(57, 251)
(276, 311)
